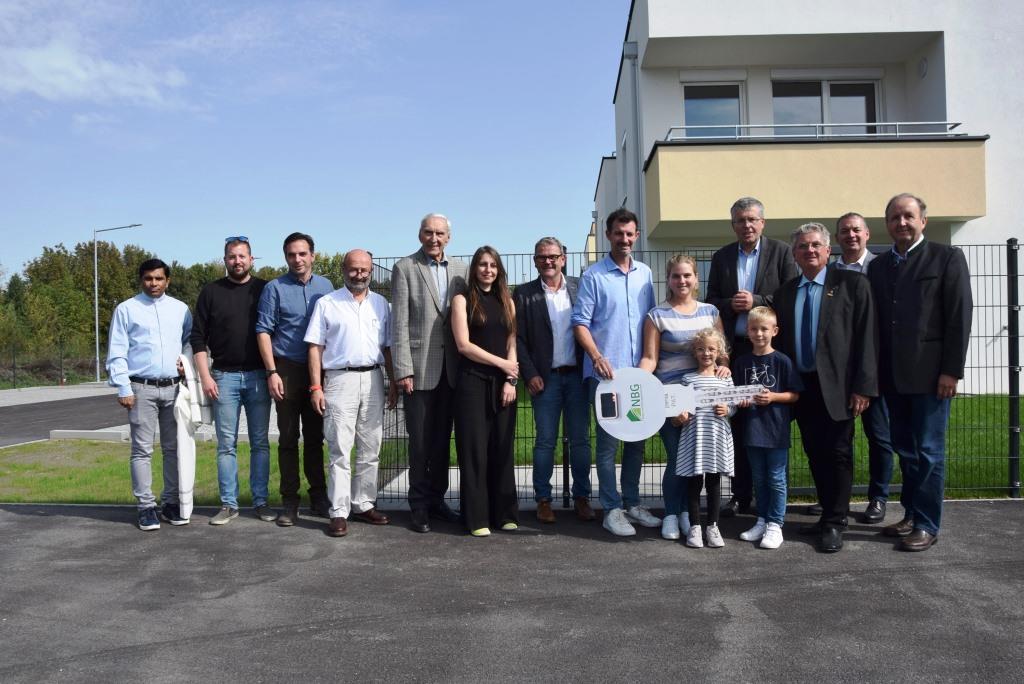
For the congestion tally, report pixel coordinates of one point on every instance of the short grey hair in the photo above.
(447, 223)
(744, 203)
(907, 195)
(549, 241)
(811, 227)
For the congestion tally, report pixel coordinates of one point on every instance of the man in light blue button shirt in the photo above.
(147, 334)
(613, 298)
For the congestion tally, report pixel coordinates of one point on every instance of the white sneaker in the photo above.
(715, 540)
(670, 527)
(695, 540)
(755, 532)
(642, 516)
(616, 523)
(772, 537)
(684, 523)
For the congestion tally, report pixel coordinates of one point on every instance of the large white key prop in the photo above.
(634, 404)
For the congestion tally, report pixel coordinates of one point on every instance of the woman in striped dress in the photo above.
(705, 443)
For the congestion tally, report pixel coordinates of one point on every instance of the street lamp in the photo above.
(96, 287)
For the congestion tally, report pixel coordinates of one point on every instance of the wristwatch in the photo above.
(272, 371)
(512, 381)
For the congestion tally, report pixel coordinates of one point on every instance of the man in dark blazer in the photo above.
(827, 326)
(923, 292)
(745, 274)
(426, 364)
(551, 362)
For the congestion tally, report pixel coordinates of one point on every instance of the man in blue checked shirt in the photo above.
(147, 334)
(282, 318)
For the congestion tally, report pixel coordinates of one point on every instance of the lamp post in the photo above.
(96, 286)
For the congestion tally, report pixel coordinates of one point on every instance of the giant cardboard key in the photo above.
(634, 404)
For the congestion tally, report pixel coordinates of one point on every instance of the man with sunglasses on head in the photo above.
(225, 328)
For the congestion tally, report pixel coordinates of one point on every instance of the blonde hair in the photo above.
(711, 335)
(678, 260)
(762, 313)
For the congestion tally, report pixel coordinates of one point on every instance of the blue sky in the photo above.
(348, 120)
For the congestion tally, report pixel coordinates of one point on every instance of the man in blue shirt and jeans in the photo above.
(282, 318)
(147, 333)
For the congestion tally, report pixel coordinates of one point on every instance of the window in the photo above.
(824, 102)
(711, 105)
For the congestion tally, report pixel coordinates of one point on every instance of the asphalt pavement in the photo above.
(33, 421)
(86, 596)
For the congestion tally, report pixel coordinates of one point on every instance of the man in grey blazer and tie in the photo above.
(426, 364)
(852, 234)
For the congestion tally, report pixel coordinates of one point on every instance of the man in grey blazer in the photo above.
(745, 274)
(426, 364)
(852, 234)
(552, 363)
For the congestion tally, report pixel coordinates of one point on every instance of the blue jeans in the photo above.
(632, 462)
(673, 487)
(918, 423)
(562, 392)
(876, 428)
(237, 389)
(768, 473)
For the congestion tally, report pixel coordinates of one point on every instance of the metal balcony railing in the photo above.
(804, 131)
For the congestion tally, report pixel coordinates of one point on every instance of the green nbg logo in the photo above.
(635, 412)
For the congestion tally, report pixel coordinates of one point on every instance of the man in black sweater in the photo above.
(225, 328)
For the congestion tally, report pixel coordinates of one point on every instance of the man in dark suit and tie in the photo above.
(426, 364)
(852, 234)
(923, 292)
(827, 326)
(552, 363)
(745, 274)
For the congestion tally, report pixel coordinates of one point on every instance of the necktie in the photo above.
(806, 333)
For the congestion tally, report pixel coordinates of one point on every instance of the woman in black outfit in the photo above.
(484, 325)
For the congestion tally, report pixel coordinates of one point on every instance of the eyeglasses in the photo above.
(547, 257)
(236, 238)
(358, 271)
(806, 246)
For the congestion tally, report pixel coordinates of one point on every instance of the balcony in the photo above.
(809, 172)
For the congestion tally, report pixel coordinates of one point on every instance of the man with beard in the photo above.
(225, 327)
(349, 339)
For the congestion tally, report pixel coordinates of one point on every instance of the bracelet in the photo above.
(315, 388)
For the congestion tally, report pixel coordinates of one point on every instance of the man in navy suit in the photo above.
(827, 326)
(923, 292)
(552, 363)
(745, 274)
(852, 234)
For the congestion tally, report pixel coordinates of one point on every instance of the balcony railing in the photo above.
(817, 131)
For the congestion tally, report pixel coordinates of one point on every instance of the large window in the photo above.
(711, 105)
(824, 102)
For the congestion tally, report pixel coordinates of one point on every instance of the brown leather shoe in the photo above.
(583, 509)
(338, 527)
(918, 540)
(900, 529)
(372, 516)
(288, 516)
(544, 512)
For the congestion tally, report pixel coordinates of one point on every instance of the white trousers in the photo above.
(354, 416)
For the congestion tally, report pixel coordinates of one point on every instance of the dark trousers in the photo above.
(712, 483)
(829, 447)
(484, 435)
(876, 428)
(293, 411)
(742, 484)
(428, 420)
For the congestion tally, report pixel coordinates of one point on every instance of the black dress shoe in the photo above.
(874, 513)
(420, 520)
(813, 509)
(918, 540)
(831, 539)
(443, 512)
(733, 508)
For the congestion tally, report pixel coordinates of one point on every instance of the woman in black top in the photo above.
(484, 325)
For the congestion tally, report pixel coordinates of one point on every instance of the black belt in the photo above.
(358, 369)
(160, 382)
(564, 370)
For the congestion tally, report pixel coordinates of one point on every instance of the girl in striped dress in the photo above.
(705, 444)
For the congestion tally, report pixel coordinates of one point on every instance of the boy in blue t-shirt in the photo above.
(766, 423)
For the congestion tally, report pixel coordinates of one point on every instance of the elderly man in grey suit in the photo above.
(552, 363)
(852, 234)
(426, 364)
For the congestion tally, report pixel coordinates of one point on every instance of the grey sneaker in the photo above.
(265, 513)
(225, 515)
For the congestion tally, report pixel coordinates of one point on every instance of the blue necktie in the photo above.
(806, 333)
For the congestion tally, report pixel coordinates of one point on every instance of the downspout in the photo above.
(630, 51)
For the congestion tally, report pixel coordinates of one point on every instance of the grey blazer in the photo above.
(421, 337)
(534, 340)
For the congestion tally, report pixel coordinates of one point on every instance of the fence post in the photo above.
(14, 366)
(1013, 342)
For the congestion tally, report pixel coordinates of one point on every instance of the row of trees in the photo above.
(46, 312)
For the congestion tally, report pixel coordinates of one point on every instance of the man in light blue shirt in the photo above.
(614, 296)
(147, 334)
(281, 321)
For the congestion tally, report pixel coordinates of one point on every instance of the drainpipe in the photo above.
(630, 51)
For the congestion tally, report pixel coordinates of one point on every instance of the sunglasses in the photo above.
(236, 238)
